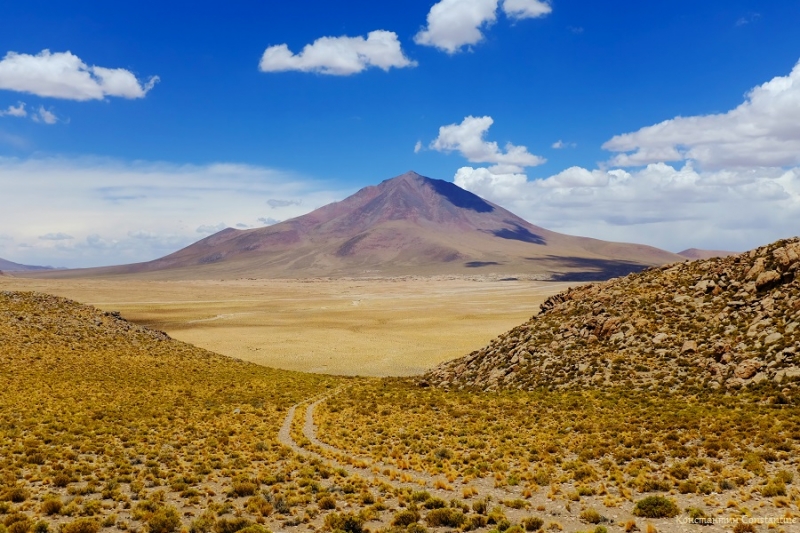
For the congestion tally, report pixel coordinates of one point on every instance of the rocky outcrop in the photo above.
(723, 322)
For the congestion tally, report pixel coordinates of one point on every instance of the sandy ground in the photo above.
(373, 327)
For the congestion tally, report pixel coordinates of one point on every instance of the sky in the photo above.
(129, 130)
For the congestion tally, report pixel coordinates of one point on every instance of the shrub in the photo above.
(231, 526)
(41, 527)
(165, 520)
(405, 518)
(51, 506)
(81, 525)
(326, 503)
(742, 527)
(773, 489)
(434, 503)
(445, 517)
(532, 523)
(655, 507)
(592, 516)
(243, 488)
(348, 522)
(16, 495)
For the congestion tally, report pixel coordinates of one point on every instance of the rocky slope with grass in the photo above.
(727, 322)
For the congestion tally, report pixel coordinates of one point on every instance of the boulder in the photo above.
(747, 368)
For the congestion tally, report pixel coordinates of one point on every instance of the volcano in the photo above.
(407, 225)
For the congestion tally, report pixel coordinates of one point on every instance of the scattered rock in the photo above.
(633, 330)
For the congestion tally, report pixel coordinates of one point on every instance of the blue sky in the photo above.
(101, 172)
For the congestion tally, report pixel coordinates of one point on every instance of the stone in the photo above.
(767, 279)
(689, 347)
(659, 338)
(747, 368)
(772, 338)
(756, 270)
(758, 378)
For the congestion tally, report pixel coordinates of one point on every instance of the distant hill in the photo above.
(408, 225)
(9, 266)
(723, 322)
(697, 253)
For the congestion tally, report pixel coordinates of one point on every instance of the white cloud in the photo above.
(43, 115)
(122, 212)
(208, 229)
(12, 111)
(660, 205)
(56, 237)
(764, 131)
(275, 203)
(468, 139)
(453, 24)
(268, 221)
(418, 147)
(559, 145)
(65, 75)
(339, 56)
(526, 9)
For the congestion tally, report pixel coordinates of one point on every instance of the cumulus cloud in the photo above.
(14, 111)
(526, 9)
(120, 212)
(454, 24)
(65, 75)
(468, 139)
(764, 131)
(661, 205)
(418, 147)
(339, 56)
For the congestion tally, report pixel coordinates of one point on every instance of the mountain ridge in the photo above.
(409, 224)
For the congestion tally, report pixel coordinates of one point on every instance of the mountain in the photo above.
(697, 253)
(9, 266)
(723, 322)
(406, 225)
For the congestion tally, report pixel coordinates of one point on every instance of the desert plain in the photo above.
(394, 326)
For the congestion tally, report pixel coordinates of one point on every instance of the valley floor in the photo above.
(367, 327)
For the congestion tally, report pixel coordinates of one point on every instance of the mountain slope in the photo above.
(723, 322)
(10, 266)
(405, 225)
(697, 253)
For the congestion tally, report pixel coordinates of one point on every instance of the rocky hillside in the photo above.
(723, 322)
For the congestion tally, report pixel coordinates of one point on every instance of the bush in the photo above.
(434, 503)
(231, 526)
(773, 489)
(51, 506)
(165, 520)
(445, 517)
(327, 503)
(591, 516)
(405, 518)
(741, 527)
(532, 523)
(243, 488)
(348, 522)
(656, 507)
(81, 525)
(16, 495)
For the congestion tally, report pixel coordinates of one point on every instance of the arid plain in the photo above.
(367, 327)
